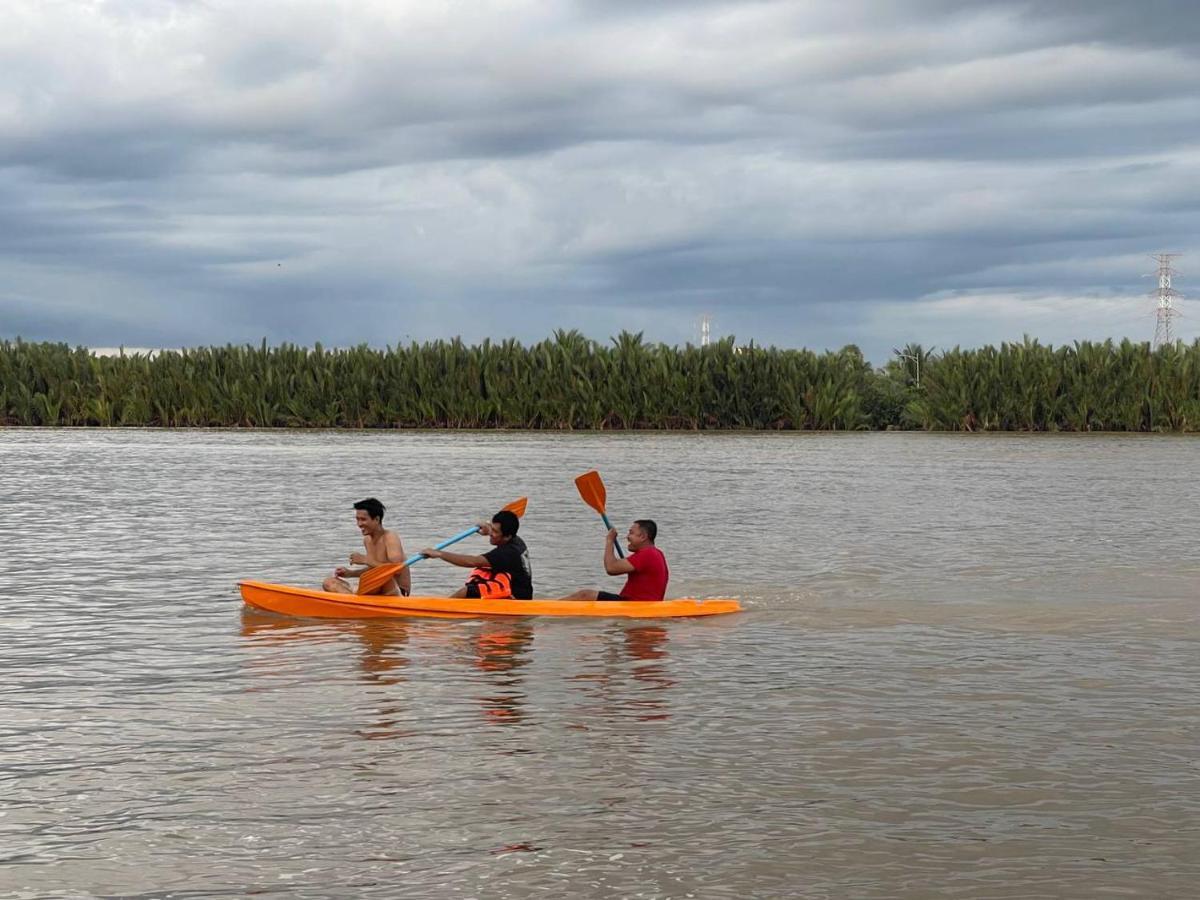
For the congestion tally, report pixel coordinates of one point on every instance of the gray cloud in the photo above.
(181, 173)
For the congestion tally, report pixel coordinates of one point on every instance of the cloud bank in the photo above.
(807, 173)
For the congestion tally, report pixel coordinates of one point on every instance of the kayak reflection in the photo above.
(263, 629)
(646, 641)
(629, 675)
(382, 663)
(381, 639)
(382, 660)
(501, 650)
(647, 644)
(275, 629)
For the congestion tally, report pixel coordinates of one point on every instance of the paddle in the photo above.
(591, 489)
(375, 577)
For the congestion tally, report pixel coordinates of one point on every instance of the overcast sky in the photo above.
(809, 173)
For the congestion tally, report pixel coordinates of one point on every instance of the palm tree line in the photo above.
(569, 381)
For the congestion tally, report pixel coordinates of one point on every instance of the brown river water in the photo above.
(969, 666)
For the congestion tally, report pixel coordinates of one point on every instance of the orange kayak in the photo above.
(298, 601)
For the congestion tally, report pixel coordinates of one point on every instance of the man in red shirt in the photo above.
(645, 565)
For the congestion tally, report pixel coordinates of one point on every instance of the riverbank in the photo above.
(569, 382)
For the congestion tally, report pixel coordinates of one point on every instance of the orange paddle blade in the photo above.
(591, 489)
(373, 579)
(518, 506)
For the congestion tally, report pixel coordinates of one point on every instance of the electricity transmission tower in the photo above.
(1166, 296)
(705, 328)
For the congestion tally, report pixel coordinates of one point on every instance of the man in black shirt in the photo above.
(503, 571)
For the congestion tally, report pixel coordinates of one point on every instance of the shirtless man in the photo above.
(382, 546)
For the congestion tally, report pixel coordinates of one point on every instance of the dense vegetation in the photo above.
(569, 381)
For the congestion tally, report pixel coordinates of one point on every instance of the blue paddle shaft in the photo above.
(617, 542)
(417, 557)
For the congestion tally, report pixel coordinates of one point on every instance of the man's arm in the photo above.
(455, 559)
(371, 559)
(612, 564)
(361, 560)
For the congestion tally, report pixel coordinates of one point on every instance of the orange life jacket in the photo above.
(492, 585)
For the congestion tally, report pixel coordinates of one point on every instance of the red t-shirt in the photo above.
(648, 580)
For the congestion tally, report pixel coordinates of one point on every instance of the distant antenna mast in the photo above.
(705, 329)
(1166, 296)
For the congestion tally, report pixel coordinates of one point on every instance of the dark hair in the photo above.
(508, 522)
(648, 526)
(371, 507)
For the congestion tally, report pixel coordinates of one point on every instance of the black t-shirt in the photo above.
(513, 558)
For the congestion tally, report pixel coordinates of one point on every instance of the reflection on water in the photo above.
(502, 649)
(933, 697)
(382, 640)
(625, 674)
(647, 643)
(266, 628)
(382, 661)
